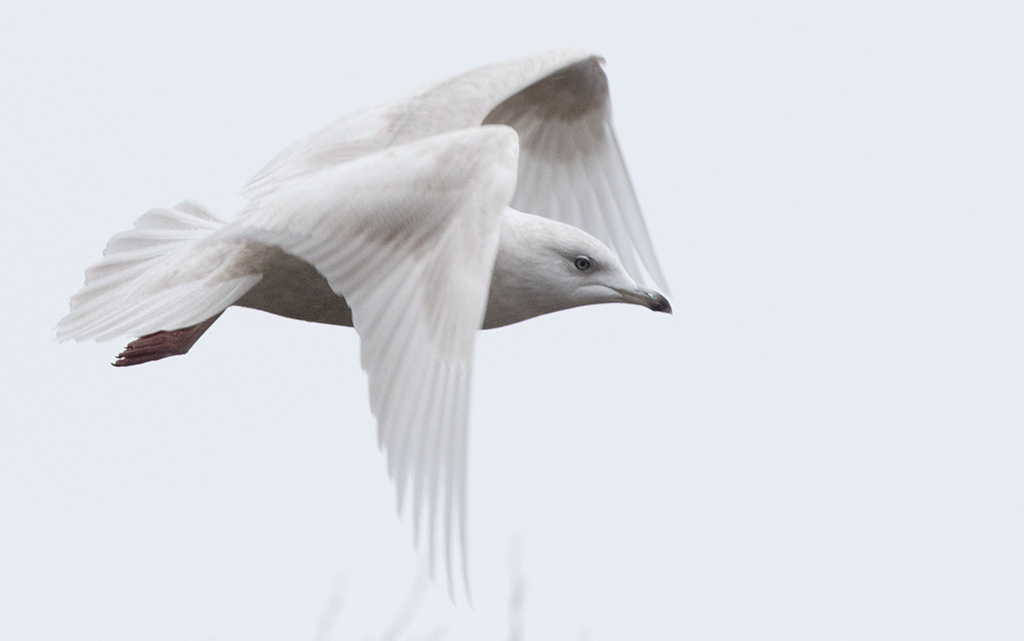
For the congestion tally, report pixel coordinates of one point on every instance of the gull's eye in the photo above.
(582, 263)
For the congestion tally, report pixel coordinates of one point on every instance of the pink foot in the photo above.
(153, 347)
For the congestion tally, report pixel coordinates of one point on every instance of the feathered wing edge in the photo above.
(166, 273)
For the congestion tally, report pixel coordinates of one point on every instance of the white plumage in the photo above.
(401, 221)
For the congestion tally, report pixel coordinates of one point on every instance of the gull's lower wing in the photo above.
(408, 237)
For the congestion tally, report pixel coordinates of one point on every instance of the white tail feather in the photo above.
(165, 274)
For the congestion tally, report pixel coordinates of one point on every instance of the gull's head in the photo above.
(544, 266)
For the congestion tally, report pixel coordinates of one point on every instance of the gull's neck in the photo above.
(520, 284)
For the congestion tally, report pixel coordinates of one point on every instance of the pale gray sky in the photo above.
(824, 442)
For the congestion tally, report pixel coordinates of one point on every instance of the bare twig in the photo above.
(333, 608)
(518, 595)
(409, 608)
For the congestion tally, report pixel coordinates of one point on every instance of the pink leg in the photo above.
(153, 347)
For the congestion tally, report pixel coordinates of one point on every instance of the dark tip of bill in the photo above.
(660, 304)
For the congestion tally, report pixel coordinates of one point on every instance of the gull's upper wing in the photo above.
(408, 237)
(570, 165)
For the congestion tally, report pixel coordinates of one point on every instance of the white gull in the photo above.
(403, 222)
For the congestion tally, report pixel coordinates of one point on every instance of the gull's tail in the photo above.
(170, 272)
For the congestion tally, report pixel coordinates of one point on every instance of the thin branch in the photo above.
(333, 608)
